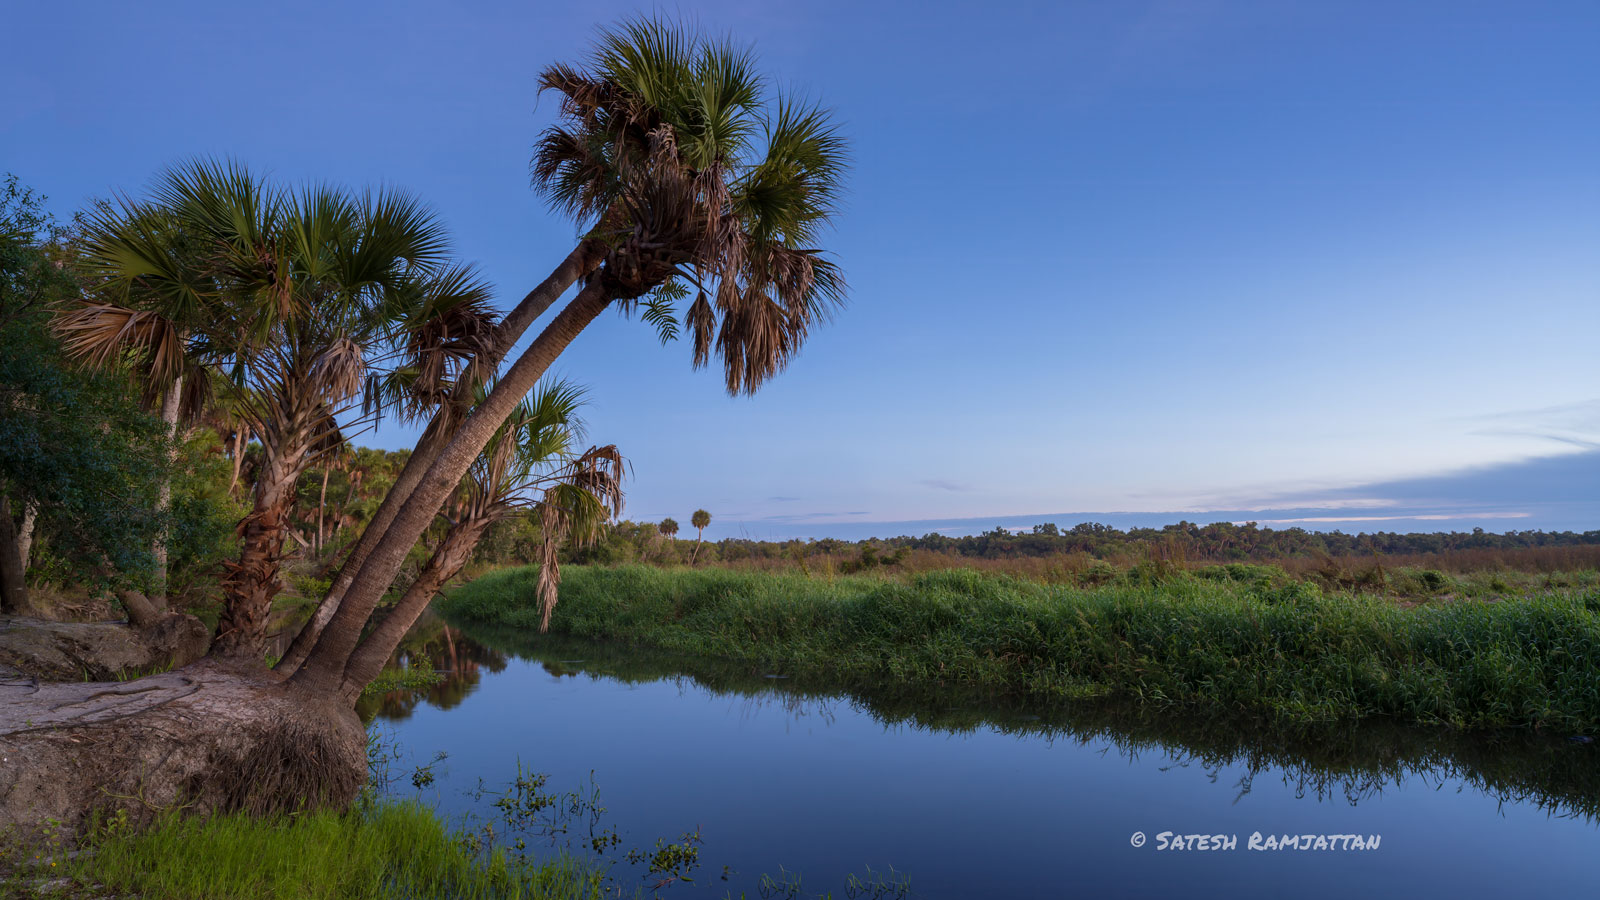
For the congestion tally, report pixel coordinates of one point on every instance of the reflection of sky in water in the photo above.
(820, 787)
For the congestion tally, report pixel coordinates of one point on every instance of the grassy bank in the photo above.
(388, 850)
(1239, 639)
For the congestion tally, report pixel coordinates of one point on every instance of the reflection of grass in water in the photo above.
(1281, 651)
(1345, 761)
(411, 678)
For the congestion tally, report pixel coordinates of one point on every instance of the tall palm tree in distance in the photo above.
(699, 520)
(668, 528)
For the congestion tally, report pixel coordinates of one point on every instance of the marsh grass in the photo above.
(1457, 573)
(1236, 640)
(382, 851)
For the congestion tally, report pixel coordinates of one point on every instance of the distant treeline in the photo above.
(1228, 542)
(1185, 543)
(1217, 542)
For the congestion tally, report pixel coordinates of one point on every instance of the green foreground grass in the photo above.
(1233, 639)
(382, 851)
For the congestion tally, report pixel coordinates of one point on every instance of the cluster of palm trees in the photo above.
(700, 520)
(308, 312)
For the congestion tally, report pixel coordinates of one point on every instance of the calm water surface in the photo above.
(974, 798)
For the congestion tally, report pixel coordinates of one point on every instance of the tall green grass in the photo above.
(383, 851)
(1283, 650)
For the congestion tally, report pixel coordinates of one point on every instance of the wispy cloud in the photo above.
(944, 485)
(812, 517)
(1549, 492)
(1421, 517)
(1575, 424)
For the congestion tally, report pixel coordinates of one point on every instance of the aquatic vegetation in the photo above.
(1282, 650)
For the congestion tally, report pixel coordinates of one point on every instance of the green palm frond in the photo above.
(793, 190)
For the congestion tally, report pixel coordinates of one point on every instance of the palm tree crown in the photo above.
(670, 151)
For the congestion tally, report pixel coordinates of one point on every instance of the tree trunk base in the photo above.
(200, 739)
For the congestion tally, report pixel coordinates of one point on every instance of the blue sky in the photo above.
(1336, 263)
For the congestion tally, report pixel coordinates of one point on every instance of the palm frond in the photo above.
(337, 372)
(98, 333)
(576, 508)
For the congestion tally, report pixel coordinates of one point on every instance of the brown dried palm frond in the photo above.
(337, 371)
(100, 333)
(326, 438)
(585, 497)
(702, 323)
(447, 342)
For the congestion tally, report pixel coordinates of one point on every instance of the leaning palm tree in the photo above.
(671, 155)
(648, 81)
(699, 520)
(531, 464)
(290, 297)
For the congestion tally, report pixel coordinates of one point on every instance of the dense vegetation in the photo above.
(81, 458)
(1235, 639)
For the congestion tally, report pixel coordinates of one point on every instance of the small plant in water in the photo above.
(670, 862)
(877, 886)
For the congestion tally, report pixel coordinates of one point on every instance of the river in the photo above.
(797, 788)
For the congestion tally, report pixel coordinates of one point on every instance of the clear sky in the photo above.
(1333, 262)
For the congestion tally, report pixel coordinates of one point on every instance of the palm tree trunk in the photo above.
(324, 667)
(435, 438)
(338, 510)
(322, 503)
(13, 581)
(241, 437)
(699, 536)
(30, 515)
(169, 415)
(447, 561)
(252, 581)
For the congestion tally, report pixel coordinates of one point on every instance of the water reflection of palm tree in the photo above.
(461, 661)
